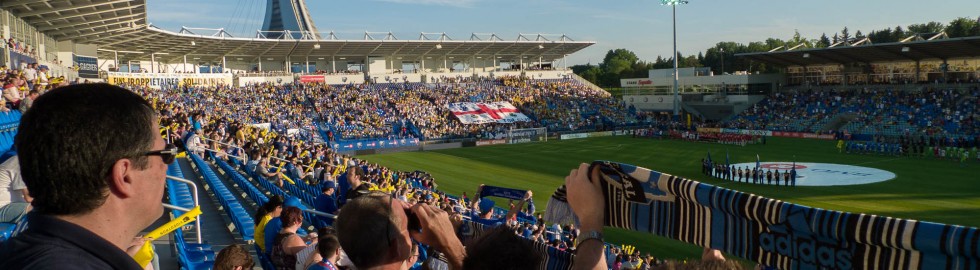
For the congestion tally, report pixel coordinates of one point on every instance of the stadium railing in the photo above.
(198, 255)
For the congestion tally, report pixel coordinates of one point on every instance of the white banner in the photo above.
(276, 80)
(156, 80)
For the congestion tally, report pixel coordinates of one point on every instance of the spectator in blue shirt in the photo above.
(325, 202)
(485, 215)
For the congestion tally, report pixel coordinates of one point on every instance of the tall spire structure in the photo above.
(291, 15)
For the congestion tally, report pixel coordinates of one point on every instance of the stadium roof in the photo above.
(121, 26)
(886, 52)
(80, 20)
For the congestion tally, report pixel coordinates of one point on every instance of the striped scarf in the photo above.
(769, 231)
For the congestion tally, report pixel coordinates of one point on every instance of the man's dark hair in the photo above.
(233, 256)
(485, 253)
(328, 245)
(366, 227)
(357, 170)
(70, 139)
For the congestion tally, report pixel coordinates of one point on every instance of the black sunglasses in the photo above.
(168, 154)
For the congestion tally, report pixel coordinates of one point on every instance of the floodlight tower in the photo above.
(673, 4)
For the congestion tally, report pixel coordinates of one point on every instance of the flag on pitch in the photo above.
(728, 163)
(709, 159)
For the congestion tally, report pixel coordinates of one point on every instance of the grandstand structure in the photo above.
(930, 57)
(914, 63)
(117, 36)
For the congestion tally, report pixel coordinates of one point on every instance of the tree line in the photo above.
(622, 63)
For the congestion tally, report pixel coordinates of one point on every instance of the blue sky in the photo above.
(643, 26)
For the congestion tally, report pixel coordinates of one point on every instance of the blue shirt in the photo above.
(342, 187)
(271, 230)
(52, 243)
(493, 222)
(322, 265)
(327, 204)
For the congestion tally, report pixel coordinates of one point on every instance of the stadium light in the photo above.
(906, 49)
(193, 43)
(673, 5)
(438, 46)
(540, 46)
(806, 55)
(316, 46)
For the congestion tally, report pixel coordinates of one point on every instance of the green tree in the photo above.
(899, 33)
(924, 28)
(773, 43)
(824, 42)
(882, 36)
(961, 27)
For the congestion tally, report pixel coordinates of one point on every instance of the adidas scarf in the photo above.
(769, 231)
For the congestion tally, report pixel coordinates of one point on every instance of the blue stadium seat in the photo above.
(190, 255)
(239, 216)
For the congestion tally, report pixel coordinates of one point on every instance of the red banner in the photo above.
(312, 78)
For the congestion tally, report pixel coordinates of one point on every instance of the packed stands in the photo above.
(233, 148)
(931, 112)
(421, 110)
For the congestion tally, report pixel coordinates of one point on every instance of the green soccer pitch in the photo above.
(925, 189)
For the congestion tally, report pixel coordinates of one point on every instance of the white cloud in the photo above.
(452, 3)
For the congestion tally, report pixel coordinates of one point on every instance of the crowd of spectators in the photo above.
(20, 47)
(407, 109)
(22, 86)
(872, 110)
(209, 113)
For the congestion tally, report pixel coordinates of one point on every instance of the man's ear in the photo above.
(120, 178)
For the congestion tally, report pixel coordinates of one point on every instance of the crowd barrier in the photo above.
(190, 255)
(355, 145)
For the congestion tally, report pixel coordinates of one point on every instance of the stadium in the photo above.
(858, 155)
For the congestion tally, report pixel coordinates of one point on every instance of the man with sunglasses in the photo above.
(95, 163)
